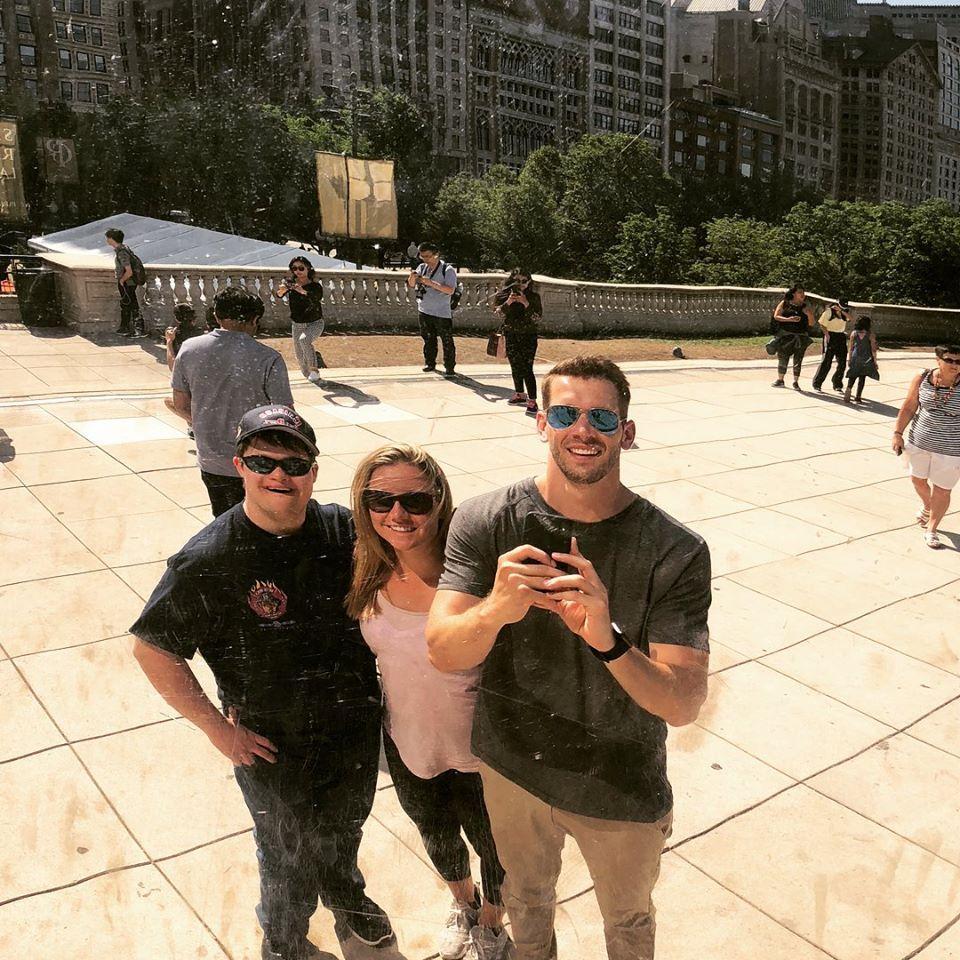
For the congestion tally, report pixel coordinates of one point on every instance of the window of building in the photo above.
(99, 63)
(326, 57)
(654, 29)
(602, 14)
(103, 92)
(28, 54)
(23, 23)
(603, 76)
(678, 157)
(655, 8)
(722, 146)
(746, 169)
(77, 6)
(721, 165)
(700, 162)
(626, 82)
(96, 8)
(653, 90)
(438, 64)
(121, 28)
(96, 36)
(345, 61)
(766, 156)
(79, 33)
(30, 85)
(603, 56)
(746, 151)
(438, 18)
(603, 121)
(65, 58)
(61, 31)
(83, 91)
(60, 5)
(678, 136)
(66, 90)
(603, 98)
(323, 14)
(603, 35)
(654, 49)
(83, 60)
(324, 35)
(654, 70)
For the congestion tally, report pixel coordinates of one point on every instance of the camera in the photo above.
(420, 290)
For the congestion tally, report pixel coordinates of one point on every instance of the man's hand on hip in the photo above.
(239, 744)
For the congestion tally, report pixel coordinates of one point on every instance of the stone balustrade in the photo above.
(379, 300)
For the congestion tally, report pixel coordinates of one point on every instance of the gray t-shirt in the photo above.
(121, 260)
(550, 716)
(226, 374)
(433, 302)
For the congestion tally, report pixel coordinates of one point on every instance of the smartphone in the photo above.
(548, 533)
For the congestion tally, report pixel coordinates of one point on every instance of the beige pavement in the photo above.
(817, 797)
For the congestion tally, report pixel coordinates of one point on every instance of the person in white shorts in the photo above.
(931, 446)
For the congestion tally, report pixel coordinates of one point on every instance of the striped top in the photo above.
(936, 424)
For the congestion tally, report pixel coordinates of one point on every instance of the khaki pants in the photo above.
(623, 859)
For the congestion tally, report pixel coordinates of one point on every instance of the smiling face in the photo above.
(581, 453)
(276, 501)
(949, 366)
(403, 531)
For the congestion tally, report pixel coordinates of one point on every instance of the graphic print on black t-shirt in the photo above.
(266, 613)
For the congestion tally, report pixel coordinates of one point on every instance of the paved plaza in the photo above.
(817, 796)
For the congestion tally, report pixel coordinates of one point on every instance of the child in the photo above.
(863, 358)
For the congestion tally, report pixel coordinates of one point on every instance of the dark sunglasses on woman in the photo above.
(562, 416)
(416, 504)
(291, 466)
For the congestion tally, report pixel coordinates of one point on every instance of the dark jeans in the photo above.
(860, 381)
(432, 327)
(794, 347)
(521, 352)
(439, 808)
(224, 492)
(836, 350)
(308, 811)
(131, 320)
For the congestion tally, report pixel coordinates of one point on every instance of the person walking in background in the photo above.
(219, 376)
(184, 328)
(401, 509)
(435, 283)
(305, 299)
(259, 594)
(129, 272)
(932, 445)
(519, 306)
(863, 358)
(413, 254)
(793, 319)
(833, 323)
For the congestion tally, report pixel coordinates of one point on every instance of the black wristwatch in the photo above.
(619, 648)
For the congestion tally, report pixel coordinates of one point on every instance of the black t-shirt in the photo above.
(306, 307)
(550, 716)
(266, 613)
(794, 310)
(185, 331)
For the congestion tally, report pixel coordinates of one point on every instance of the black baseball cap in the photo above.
(279, 417)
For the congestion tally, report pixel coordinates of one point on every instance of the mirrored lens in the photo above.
(561, 417)
(291, 466)
(379, 501)
(606, 421)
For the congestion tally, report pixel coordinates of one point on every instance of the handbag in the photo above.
(497, 345)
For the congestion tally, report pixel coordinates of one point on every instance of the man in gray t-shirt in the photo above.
(587, 607)
(435, 283)
(217, 378)
(131, 319)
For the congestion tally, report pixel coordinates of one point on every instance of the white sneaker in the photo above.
(313, 376)
(456, 937)
(487, 945)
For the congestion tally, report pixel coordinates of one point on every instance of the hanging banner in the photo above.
(332, 193)
(372, 210)
(357, 197)
(13, 206)
(59, 160)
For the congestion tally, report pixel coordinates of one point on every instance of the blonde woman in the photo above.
(402, 508)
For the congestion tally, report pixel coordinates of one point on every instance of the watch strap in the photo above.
(619, 648)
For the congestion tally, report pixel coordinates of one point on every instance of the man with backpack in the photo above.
(130, 275)
(436, 285)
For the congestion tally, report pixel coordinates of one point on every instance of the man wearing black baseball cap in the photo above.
(259, 593)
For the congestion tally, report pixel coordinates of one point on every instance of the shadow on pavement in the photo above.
(483, 390)
(7, 450)
(334, 392)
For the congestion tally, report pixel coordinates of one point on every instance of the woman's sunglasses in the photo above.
(561, 416)
(291, 466)
(300, 268)
(416, 504)
(953, 361)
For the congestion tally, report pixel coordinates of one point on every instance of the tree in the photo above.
(652, 250)
(926, 264)
(739, 252)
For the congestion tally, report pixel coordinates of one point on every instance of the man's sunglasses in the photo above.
(291, 466)
(953, 361)
(561, 416)
(416, 504)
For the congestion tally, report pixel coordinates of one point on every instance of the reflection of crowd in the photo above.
(532, 649)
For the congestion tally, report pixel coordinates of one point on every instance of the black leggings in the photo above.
(521, 352)
(439, 807)
(860, 382)
(793, 348)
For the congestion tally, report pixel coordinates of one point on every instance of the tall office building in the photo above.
(64, 50)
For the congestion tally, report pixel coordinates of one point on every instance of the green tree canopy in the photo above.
(652, 250)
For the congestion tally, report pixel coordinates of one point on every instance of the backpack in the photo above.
(139, 271)
(457, 290)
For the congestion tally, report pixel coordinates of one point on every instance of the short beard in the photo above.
(604, 466)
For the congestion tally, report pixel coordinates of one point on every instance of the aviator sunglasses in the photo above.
(291, 466)
(416, 504)
(561, 416)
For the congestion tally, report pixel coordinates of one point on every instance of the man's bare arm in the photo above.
(671, 682)
(181, 405)
(173, 679)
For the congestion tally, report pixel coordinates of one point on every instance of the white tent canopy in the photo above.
(165, 242)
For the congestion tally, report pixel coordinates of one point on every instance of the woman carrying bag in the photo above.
(306, 315)
(518, 305)
(863, 358)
